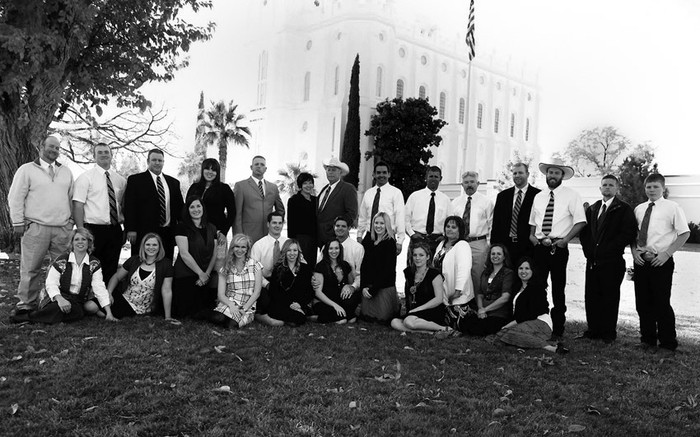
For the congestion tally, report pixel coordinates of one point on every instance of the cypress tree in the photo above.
(351, 141)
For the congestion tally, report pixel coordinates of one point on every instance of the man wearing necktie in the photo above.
(557, 216)
(97, 206)
(610, 227)
(477, 212)
(255, 198)
(383, 197)
(266, 251)
(511, 215)
(336, 199)
(152, 203)
(40, 210)
(663, 229)
(426, 210)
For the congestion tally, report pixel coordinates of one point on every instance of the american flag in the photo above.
(470, 31)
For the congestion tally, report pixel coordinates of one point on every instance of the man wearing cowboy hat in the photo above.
(337, 199)
(557, 216)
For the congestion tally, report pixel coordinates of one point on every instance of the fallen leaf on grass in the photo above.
(55, 359)
(354, 427)
(498, 412)
(265, 378)
(644, 372)
(421, 404)
(216, 333)
(38, 331)
(30, 349)
(55, 400)
(219, 348)
(16, 358)
(223, 389)
(590, 409)
(363, 329)
(89, 409)
(441, 377)
(89, 338)
(335, 390)
(64, 352)
(495, 422)
(13, 409)
(27, 380)
(2, 379)
(576, 428)
(408, 348)
(352, 404)
(583, 363)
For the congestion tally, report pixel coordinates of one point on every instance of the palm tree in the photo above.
(221, 127)
(289, 174)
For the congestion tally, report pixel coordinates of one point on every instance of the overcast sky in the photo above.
(632, 64)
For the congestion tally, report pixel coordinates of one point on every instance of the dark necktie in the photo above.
(113, 217)
(275, 252)
(548, 215)
(644, 229)
(322, 205)
(514, 218)
(603, 210)
(260, 187)
(375, 203)
(430, 223)
(161, 201)
(467, 215)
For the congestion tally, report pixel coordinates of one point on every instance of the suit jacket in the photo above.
(252, 209)
(341, 202)
(503, 211)
(605, 241)
(141, 206)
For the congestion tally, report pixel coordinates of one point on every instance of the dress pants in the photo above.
(518, 250)
(554, 264)
(603, 298)
(652, 291)
(480, 251)
(108, 245)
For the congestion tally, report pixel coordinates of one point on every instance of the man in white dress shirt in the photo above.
(97, 206)
(477, 212)
(557, 216)
(266, 251)
(426, 211)
(383, 197)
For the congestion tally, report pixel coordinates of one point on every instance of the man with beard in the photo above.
(557, 216)
(511, 215)
(426, 211)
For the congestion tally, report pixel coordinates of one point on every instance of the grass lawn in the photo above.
(146, 377)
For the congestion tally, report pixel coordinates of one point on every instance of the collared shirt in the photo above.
(53, 279)
(329, 188)
(390, 202)
(417, 211)
(481, 216)
(607, 205)
(353, 252)
(262, 252)
(515, 194)
(91, 189)
(666, 222)
(257, 182)
(45, 165)
(167, 193)
(568, 211)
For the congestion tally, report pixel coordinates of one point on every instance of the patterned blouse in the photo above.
(140, 292)
(241, 285)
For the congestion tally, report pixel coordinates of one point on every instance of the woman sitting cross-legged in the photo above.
(380, 303)
(332, 274)
(240, 281)
(73, 285)
(290, 287)
(146, 281)
(532, 326)
(492, 295)
(424, 294)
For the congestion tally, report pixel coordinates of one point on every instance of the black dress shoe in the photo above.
(561, 350)
(19, 316)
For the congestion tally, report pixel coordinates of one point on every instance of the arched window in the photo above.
(379, 82)
(479, 115)
(441, 110)
(307, 86)
(496, 119)
(422, 92)
(527, 129)
(399, 89)
(461, 110)
(336, 81)
(512, 125)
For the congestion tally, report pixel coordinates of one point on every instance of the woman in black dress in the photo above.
(332, 274)
(216, 196)
(290, 287)
(301, 217)
(424, 294)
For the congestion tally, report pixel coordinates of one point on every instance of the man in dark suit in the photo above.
(152, 203)
(610, 227)
(511, 217)
(255, 199)
(337, 199)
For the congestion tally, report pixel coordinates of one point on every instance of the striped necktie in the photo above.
(514, 218)
(113, 216)
(260, 187)
(161, 201)
(548, 215)
(467, 215)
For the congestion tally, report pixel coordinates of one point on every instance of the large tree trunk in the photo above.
(223, 157)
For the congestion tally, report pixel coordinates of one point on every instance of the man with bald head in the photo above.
(40, 210)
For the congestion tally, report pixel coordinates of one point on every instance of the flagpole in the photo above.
(467, 120)
(469, 40)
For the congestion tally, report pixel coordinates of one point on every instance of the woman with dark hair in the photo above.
(216, 196)
(146, 280)
(74, 285)
(380, 303)
(424, 294)
(301, 217)
(290, 287)
(194, 293)
(453, 257)
(532, 325)
(492, 295)
(332, 274)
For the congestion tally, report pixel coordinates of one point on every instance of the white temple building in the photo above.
(295, 94)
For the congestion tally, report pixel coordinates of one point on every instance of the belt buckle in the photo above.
(514, 239)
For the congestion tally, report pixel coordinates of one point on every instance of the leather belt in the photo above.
(470, 239)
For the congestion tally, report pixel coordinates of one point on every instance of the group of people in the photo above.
(475, 266)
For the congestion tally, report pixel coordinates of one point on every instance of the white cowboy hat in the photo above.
(568, 171)
(335, 162)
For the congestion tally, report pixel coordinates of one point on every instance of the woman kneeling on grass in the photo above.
(380, 303)
(290, 287)
(240, 282)
(532, 326)
(332, 274)
(146, 280)
(74, 285)
(424, 294)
